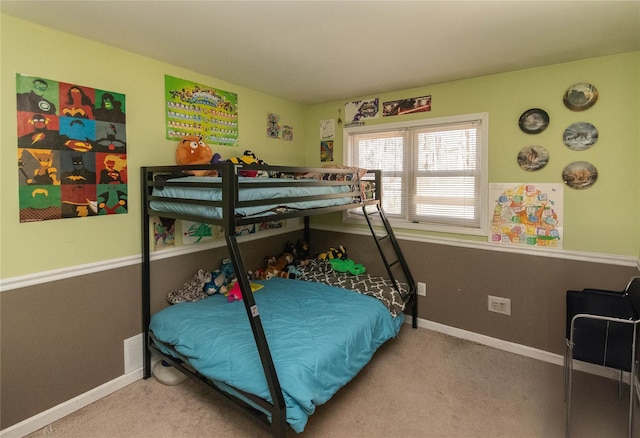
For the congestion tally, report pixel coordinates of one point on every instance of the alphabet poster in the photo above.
(195, 109)
(72, 150)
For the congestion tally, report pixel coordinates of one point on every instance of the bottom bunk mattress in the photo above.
(319, 336)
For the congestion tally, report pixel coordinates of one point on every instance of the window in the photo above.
(433, 171)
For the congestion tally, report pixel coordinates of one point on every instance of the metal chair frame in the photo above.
(633, 292)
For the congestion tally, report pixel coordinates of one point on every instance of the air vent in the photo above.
(133, 354)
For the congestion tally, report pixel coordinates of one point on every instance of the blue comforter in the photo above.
(320, 337)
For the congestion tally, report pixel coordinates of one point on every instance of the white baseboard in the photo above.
(520, 349)
(57, 412)
(63, 409)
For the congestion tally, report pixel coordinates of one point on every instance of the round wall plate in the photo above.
(534, 121)
(580, 175)
(532, 158)
(581, 96)
(580, 136)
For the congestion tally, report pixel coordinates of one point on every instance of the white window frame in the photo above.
(355, 216)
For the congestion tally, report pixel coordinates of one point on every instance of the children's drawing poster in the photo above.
(362, 109)
(526, 214)
(196, 109)
(196, 232)
(72, 150)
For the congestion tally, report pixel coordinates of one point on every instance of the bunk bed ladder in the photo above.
(393, 257)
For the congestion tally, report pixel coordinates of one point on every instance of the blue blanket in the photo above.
(246, 193)
(320, 337)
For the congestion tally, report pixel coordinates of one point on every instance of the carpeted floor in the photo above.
(422, 384)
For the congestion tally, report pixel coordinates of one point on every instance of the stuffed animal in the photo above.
(220, 279)
(250, 158)
(347, 266)
(277, 267)
(193, 150)
(300, 252)
(334, 253)
(236, 294)
(192, 290)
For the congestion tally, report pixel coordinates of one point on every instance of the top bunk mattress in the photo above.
(279, 193)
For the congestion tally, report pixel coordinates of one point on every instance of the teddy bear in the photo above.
(192, 290)
(193, 150)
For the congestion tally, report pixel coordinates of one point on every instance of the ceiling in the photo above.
(320, 51)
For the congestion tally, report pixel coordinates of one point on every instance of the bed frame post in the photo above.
(146, 277)
(230, 198)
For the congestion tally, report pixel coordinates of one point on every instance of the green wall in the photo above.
(35, 247)
(601, 219)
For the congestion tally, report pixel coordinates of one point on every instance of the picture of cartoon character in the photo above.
(34, 101)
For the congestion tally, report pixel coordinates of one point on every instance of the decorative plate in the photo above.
(532, 158)
(580, 136)
(534, 121)
(580, 175)
(581, 96)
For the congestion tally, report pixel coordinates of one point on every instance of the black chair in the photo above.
(602, 327)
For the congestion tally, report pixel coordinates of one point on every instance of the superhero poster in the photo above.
(195, 109)
(72, 150)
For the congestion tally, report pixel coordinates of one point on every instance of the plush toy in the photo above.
(220, 279)
(334, 253)
(250, 158)
(193, 150)
(300, 252)
(277, 267)
(192, 290)
(347, 266)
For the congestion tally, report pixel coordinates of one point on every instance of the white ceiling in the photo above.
(320, 51)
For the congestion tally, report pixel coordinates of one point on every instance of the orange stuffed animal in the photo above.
(193, 150)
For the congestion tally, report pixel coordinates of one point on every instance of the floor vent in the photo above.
(133, 354)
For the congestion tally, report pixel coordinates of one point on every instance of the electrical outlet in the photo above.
(499, 305)
(422, 289)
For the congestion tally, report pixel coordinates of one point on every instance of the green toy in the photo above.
(347, 265)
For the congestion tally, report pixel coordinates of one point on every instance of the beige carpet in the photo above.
(422, 384)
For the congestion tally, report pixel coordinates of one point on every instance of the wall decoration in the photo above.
(580, 175)
(580, 97)
(72, 150)
(164, 232)
(532, 158)
(327, 129)
(196, 109)
(361, 109)
(326, 150)
(287, 133)
(406, 106)
(534, 121)
(273, 126)
(196, 232)
(580, 136)
(527, 214)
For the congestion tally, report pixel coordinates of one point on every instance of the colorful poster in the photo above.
(196, 232)
(406, 106)
(526, 214)
(164, 232)
(72, 150)
(326, 150)
(361, 109)
(195, 109)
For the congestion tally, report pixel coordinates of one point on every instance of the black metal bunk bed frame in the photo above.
(392, 257)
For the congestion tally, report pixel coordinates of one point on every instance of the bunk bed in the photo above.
(291, 345)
